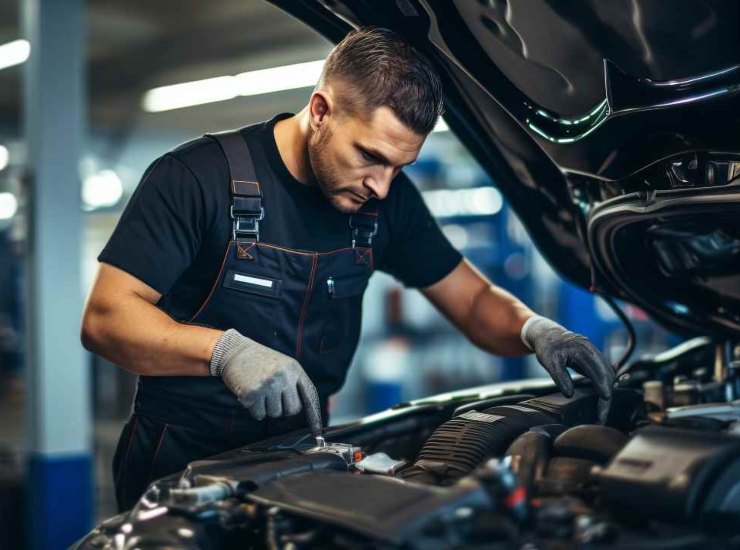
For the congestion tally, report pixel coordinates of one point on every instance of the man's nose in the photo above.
(380, 183)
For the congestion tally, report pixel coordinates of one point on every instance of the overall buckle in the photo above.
(363, 233)
(247, 227)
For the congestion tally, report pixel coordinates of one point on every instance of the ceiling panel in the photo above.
(135, 45)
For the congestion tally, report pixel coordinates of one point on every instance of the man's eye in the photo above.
(367, 156)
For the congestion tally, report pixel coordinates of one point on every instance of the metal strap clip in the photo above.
(246, 226)
(363, 232)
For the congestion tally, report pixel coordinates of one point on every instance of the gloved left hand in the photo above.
(557, 349)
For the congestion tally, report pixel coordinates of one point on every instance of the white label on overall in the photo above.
(253, 280)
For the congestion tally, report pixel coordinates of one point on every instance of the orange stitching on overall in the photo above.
(243, 251)
(215, 283)
(301, 252)
(156, 453)
(334, 251)
(233, 187)
(226, 254)
(363, 255)
(314, 264)
(304, 252)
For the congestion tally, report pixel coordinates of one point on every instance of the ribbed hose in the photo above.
(460, 445)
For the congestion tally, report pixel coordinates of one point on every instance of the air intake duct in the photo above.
(460, 445)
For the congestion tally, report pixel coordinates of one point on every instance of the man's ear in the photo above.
(320, 107)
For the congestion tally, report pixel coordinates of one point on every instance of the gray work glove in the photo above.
(557, 349)
(266, 382)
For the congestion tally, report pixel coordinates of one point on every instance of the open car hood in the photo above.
(612, 128)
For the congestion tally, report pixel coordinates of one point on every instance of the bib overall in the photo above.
(303, 303)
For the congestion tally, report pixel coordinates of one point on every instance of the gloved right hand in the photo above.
(266, 382)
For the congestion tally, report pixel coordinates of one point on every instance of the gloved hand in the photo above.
(557, 348)
(265, 381)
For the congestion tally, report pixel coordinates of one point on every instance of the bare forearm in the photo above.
(489, 316)
(141, 338)
(495, 321)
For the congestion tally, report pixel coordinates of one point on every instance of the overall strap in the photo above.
(364, 225)
(246, 196)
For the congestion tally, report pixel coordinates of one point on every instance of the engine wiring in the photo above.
(621, 367)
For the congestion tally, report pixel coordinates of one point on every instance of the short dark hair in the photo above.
(382, 69)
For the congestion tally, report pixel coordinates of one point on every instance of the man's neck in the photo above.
(291, 137)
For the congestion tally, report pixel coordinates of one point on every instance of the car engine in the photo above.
(520, 467)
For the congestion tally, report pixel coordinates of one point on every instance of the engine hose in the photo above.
(460, 445)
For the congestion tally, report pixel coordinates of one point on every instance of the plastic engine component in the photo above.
(674, 474)
(531, 451)
(566, 475)
(381, 508)
(590, 442)
(459, 445)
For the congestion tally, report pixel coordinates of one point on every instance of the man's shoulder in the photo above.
(205, 152)
(196, 152)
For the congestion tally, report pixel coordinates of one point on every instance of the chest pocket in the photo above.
(346, 286)
(342, 323)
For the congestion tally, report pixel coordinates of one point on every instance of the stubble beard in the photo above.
(326, 176)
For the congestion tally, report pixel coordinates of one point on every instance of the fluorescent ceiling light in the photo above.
(4, 157)
(478, 201)
(289, 77)
(14, 53)
(264, 81)
(189, 94)
(102, 189)
(8, 206)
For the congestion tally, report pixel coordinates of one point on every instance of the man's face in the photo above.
(354, 159)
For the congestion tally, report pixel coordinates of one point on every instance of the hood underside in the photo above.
(612, 128)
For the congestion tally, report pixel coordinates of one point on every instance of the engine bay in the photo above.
(525, 468)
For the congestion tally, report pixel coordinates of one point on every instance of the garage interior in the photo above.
(76, 135)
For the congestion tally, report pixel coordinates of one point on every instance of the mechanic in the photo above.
(233, 282)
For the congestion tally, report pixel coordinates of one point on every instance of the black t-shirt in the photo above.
(175, 229)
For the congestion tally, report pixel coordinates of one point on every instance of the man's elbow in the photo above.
(87, 334)
(91, 332)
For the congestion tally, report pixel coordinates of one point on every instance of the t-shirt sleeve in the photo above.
(418, 253)
(161, 228)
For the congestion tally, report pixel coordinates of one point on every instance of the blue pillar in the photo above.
(59, 463)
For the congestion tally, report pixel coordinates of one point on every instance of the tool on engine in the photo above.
(207, 489)
(347, 452)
